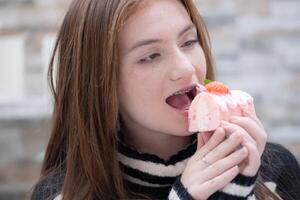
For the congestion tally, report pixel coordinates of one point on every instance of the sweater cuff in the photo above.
(241, 186)
(179, 192)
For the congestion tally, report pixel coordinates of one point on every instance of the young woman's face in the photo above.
(160, 55)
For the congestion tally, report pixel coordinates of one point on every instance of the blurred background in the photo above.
(256, 46)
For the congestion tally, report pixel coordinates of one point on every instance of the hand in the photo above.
(214, 164)
(255, 139)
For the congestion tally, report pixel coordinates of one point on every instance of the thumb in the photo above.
(200, 141)
(206, 136)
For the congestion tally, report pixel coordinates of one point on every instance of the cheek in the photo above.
(197, 58)
(138, 88)
(140, 100)
(203, 68)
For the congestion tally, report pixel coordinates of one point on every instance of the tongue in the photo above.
(181, 101)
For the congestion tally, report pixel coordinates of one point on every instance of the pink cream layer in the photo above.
(207, 110)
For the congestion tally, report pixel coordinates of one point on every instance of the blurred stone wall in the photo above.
(27, 32)
(256, 46)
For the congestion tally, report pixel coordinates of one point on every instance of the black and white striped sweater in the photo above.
(152, 176)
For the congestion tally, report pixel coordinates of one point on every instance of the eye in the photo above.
(149, 58)
(190, 43)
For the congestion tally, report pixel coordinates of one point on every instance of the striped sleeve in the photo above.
(179, 192)
(240, 188)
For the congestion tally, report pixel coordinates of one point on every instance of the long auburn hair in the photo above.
(83, 142)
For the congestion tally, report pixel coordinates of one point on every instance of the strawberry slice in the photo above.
(217, 87)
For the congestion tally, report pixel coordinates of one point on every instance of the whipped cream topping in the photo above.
(232, 100)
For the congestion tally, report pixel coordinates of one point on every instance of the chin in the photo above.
(181, 132)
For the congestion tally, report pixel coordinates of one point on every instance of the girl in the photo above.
(118, 131)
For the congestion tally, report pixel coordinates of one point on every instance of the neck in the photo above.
(160, 144)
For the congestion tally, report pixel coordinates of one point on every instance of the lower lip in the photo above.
(184, 113)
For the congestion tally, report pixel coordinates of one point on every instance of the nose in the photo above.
(181, 66)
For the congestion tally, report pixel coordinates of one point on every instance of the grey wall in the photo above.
(256, 44)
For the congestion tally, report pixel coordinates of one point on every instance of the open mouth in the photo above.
(182, 99)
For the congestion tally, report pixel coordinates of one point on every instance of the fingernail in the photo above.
(246, 111)
(243, 150)
(233, 118)
(200, 87)
(219, 129)
(225, 123)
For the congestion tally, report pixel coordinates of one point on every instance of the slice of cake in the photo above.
(216, 103)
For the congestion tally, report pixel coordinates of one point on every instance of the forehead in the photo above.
(155, 18)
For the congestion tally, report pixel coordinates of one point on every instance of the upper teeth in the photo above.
(182, 92)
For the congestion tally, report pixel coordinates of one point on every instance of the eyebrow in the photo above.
(152, 41)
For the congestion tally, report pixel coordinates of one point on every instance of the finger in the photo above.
(253, 116)
(253, 161)
(200, 141)
(215, 184)
(200, 88)
(225, 148)
(207, 135)
(254, 157)
(252, 128)
(231, 128)
(224, 164)
(216, 138)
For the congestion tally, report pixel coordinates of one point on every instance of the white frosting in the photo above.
(232, 100)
